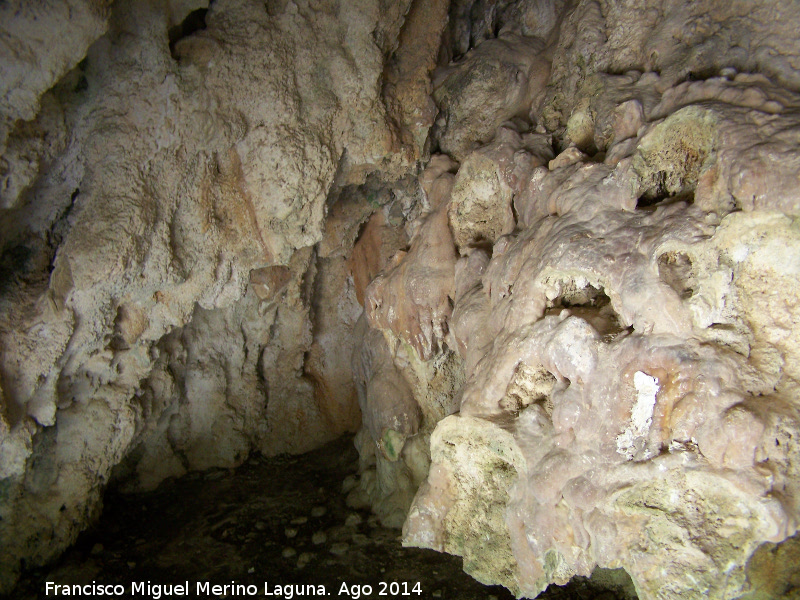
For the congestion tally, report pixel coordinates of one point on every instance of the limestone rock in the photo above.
(407, 88)
(31, 64)
(411, 298)
(499, 80)
(628, 401)
(484, 188)
(666, 37)
(389, 410)
(577, 501)
(406, 384)
(473, 460)
(596, 269)
(155, 178)
(377, 245)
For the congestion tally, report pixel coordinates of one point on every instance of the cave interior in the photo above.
(367, 293)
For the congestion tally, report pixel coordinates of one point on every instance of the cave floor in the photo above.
(274, 521)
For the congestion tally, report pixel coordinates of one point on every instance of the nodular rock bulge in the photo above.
(543, 255)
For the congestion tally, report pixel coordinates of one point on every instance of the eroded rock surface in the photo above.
(622, 406)
(164, 184)
(555, 282)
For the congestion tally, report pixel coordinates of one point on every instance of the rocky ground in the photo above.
(279, 521)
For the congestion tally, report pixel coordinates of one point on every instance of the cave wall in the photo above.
(167, 168)
(619, 284)
(541, 254)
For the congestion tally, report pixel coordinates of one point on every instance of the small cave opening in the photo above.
(14, 263)
(589, 303)
(658, 197)
(574, 295)
(675, 269)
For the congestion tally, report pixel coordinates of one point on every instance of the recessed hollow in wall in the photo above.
(654, 199)
(194, 21)
(529, 384)
(675, 269)
(572, 294)
(672, 156)
(14, 262)
(131, 321)
(589, 303)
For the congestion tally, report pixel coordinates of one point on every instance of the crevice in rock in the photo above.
(660, 197)
(589, 303)
(195, 21)
(675, 269)
(573, 295)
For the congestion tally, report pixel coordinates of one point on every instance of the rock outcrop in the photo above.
(624, 311)
(167, 169)
(544, 254)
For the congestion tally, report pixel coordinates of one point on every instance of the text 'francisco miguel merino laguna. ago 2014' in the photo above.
(156, 591)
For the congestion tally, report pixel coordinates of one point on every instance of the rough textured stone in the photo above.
(406, 377)
(628, 346)
(411, 297)
(155, 183)
(462, 505)
(597, 269)
(487, 181)
(32, 64)
(407, 86)
(493, 83)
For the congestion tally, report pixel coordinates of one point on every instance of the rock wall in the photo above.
(554, 282)
(170, 297)
(618, 280)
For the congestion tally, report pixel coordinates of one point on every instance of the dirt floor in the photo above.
(272, 522)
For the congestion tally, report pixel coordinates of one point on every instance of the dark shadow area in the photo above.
(194, 21)
(274, 521)
(660, 197)
(591, 304)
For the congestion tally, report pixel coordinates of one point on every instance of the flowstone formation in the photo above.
(618, 282)
(173, 296)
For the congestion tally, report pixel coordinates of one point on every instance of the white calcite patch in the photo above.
(641, 416)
